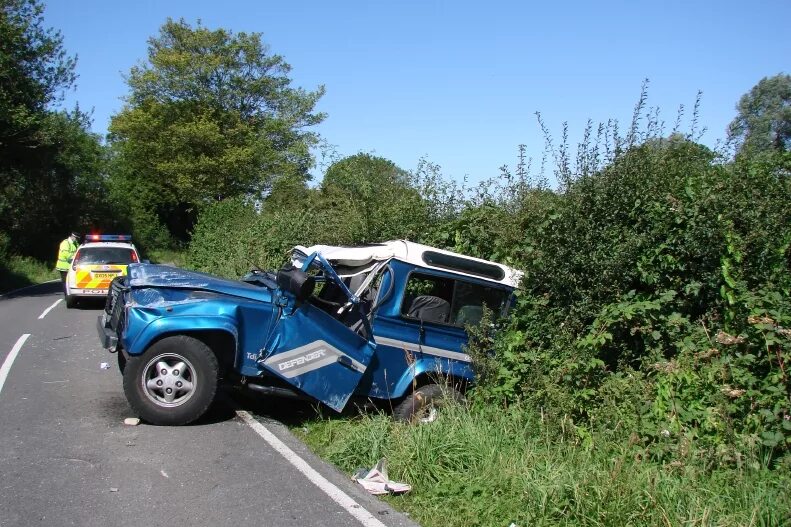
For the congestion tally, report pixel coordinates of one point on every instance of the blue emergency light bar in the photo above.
(108, 237)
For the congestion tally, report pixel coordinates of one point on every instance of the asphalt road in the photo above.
(66, 458)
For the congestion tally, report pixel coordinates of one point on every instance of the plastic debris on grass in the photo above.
(376, 481)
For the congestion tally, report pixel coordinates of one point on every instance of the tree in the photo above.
(377, 196)
(60, 187)
(35, 70)
(764, 120)
(211, 115)
(48, 159)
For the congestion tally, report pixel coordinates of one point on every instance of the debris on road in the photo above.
(376, 482)
(113, 489)
(104, 365)
(132, 421)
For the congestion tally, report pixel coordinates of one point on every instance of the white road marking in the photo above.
(50, 308)
(9, 360)
(337, 495)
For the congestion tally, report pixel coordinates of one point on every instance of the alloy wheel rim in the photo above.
(169, 380)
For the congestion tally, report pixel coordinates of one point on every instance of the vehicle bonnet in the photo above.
(163, 276)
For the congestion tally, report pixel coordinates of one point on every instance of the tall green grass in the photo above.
(21, 271)
(490, 466)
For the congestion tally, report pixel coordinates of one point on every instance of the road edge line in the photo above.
(337, 495)
(50, 308)
(9, 360)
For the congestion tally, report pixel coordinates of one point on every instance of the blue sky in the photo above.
(455, 81)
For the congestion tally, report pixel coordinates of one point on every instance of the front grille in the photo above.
(117, 287)
(114, 307)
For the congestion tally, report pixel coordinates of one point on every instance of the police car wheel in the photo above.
(423, 405)
(173, 383)
(71, 301)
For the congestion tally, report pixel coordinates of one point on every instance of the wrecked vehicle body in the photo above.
(384, 322)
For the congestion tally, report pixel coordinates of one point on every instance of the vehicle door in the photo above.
(315, 352)
(422, 321)
(422, 326)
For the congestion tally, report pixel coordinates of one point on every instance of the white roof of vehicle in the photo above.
(123, 245)
(405, 251)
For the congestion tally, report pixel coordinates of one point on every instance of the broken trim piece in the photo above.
(427, 350)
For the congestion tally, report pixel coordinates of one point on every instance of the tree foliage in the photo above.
(211, 115)
(35, 69)
(763, 122)
(362, 199)
(50, 163)
(379, 198)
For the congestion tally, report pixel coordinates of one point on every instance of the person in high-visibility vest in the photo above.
(66, 254)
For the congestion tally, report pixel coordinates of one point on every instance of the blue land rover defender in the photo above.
(384, 322)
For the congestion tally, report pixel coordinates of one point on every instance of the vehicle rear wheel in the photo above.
(173, 383)
(71, 301)
(424, 404)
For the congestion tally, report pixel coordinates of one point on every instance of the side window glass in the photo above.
(447, 301)
(428, 298)
(469, 299)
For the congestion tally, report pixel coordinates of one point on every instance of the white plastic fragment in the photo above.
(132, 421)
(104, 366)
(164, 474)
(113, 489)
(376, 482)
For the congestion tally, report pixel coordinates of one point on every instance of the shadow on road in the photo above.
(90, 304)
(45, 289)
(55, 288)
(292, 412)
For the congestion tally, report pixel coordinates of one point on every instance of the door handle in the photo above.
(343, 360)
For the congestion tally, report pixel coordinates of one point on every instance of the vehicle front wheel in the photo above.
(173, 382)
(121, 361)
(424, 404)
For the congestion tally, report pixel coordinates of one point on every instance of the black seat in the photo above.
(429, 308)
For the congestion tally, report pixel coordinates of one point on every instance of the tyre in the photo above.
(173, 383)
(71, 301)
(423, 405)
(121, 361)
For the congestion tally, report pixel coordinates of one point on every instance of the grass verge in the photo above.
(21, 271)
(490, 466)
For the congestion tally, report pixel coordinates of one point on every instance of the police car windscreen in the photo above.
(105, 256)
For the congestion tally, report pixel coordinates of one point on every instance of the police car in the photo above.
(97, 261)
